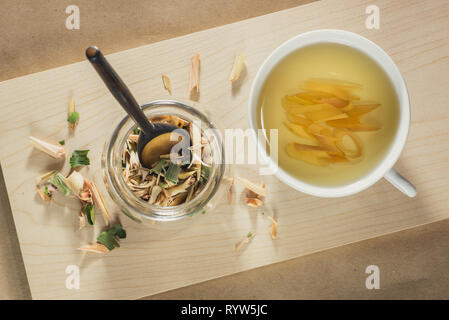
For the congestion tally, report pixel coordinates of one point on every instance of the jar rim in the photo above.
(133, 206)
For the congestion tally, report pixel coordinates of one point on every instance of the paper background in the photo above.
(413, 263)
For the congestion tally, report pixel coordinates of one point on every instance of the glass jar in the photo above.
(138, 209)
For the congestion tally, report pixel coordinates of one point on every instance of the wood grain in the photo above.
(160, 257)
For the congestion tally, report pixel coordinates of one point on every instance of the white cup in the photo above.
(384, 169)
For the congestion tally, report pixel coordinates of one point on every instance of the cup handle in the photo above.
(400, 183)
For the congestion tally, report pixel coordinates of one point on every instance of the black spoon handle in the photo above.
(118, 88)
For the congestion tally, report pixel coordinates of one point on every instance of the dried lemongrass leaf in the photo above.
(133, 138)
(94, 247)
(181, 188)
(43, 195)
(273, 228)
(56, 151)
(190, 192)
(72, 115)
(155, 191)
(98, 199)
(246, 240)
(44, 177)
(254, 202)
(166, 82)
(239, 63)
(185, 174)
(194, 82)
(260, 190)
(85, 196)
(180, 198)
(75, 182)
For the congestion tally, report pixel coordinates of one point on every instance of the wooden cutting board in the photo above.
(162, 256)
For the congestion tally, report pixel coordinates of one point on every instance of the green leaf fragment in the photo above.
(79, 158)
(159, 167)
(136, 130)
(108, 237)
(62, 142)
(47, 192)
(58, 181)
(172, 173)
(89, 211)
(163, 185)
(205, 173)
(73, 117)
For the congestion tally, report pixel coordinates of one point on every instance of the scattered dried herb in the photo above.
(79, 158)
(109, 238)
(58, 181)
(237, 68)
(73, 118)
(72, 115)
(55, 151)
(167, 183)
(89, 212)
(166, 82)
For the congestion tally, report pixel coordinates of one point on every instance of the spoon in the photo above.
(155, 139)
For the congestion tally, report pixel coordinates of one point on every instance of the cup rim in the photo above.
(373, 51)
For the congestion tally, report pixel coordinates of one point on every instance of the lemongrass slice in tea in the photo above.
(352, 123)
(316, 156)
(359, 110)
(329, 144)
(312, 108)
(239, 63)
(56, 151)
(344, 123)
(323, 86)
(298, 130)
(336, 102)
(296, 119)
(326, 115)
(298, 100)
(352, 148)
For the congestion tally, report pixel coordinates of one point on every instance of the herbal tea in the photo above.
(336, 111)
